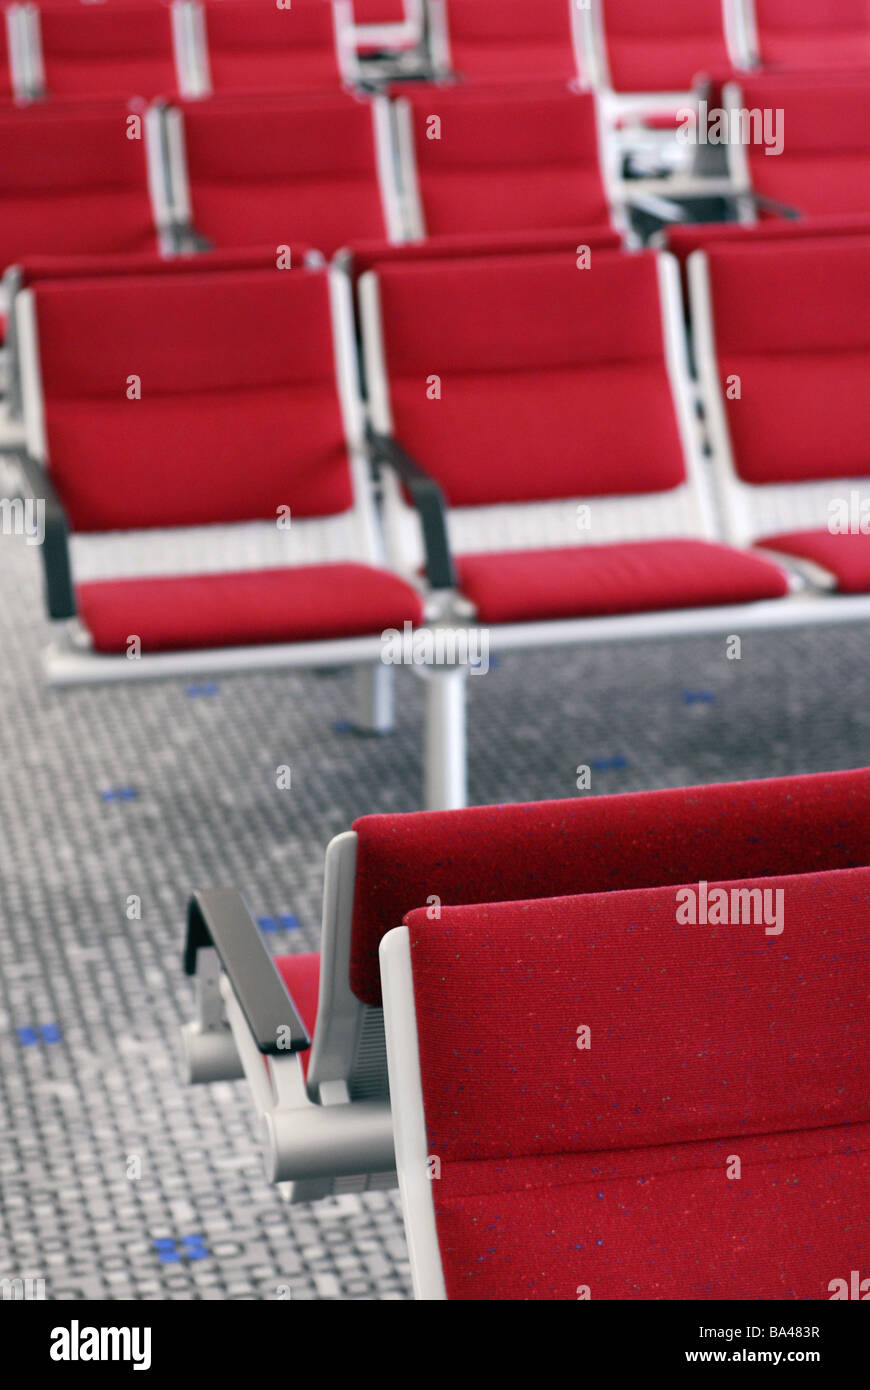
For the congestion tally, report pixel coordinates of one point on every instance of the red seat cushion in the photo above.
(684, 238)
(282, 171)
(66, 167)
(511, 40)
(370, 255)
(599, 580)
(521, 340)
(238, 411)
(607, 1165)
(305, 604)
(847, 556)
(301, 975)
(107, 51)
(824, 163)
(506, 159)
(651, 1223)
(792, 328)
(802, 35)
(662, 48)
(257, 46)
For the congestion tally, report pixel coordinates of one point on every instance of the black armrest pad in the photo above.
(55, 547)
(774, 205)
(429, 501)
(219, 918)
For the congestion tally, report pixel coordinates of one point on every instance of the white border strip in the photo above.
(409, 1122)
(32, 406)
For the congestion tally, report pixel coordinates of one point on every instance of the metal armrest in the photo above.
(429, 502)
(665, 210)
(55, 547)
(219, 918)
(773, 205)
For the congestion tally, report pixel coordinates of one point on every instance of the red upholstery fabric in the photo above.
(660, 1223)
(511, 40)
(791, 322)
(663, 47)
(308, 603)
(280, 172)
(253, 46)
(607, 1166)
(71, 169)
(379, 11)
(259, 257)
(108, 50)
(549, 376)
(301, 975)
(35, 268)
(803, 35)
(5, 71)
(824, 165)
(238, 412)
(782, 826)
(684, 238)
(508, 160)
(593, 581)
(369, 255)
(846, 555)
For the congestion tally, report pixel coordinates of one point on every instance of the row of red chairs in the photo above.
(533, 420)
(588, 1091)
(323, 171)
(624, 46)
(149, 48)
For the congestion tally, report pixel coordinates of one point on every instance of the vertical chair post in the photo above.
(445, 773)
(373, 698)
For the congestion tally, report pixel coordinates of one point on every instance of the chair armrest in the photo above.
(55, 546)
(186, 240)
(774, 205)
(429, 502)
(218, 917)
(663, 209)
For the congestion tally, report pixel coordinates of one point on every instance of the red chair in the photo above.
(206, 407)
(782, 342)
(255, 46)
(800, 35)
(482, 160)
(505, 42)
(819, 160)
(324, 1095)
(72, 180)
(114, 49)
(269, 170)
(606, 1097)
(633, 48)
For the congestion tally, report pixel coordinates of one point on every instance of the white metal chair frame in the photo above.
(333, 1132)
